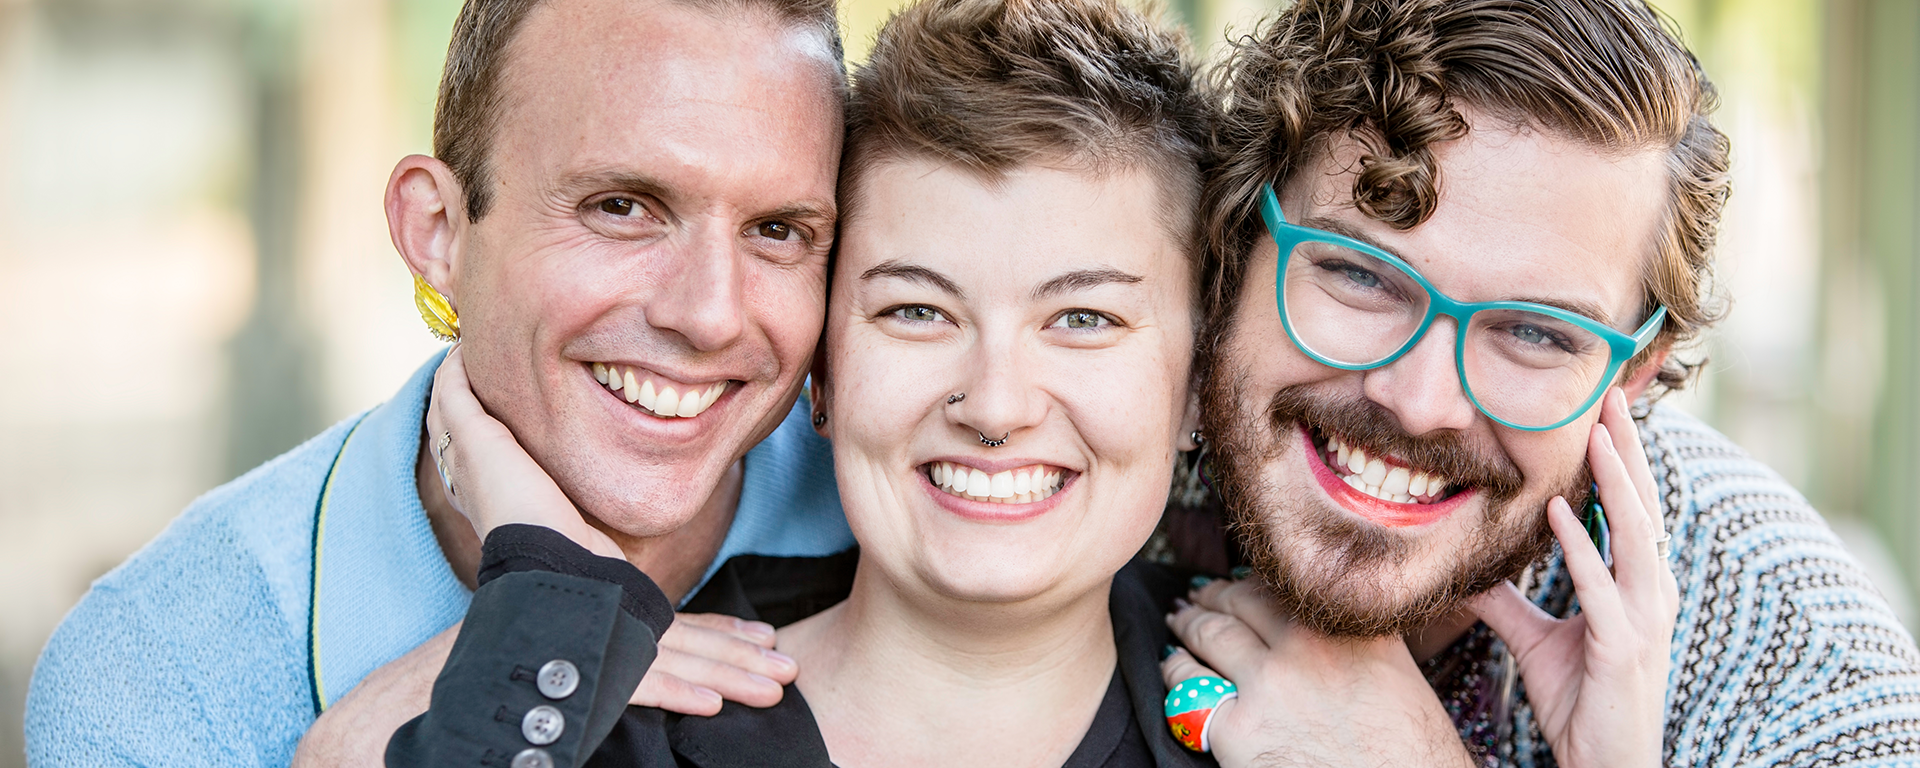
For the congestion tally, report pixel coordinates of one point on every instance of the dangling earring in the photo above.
(1190, 486)
(436, 310)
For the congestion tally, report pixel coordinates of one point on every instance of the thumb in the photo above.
(1518, 622)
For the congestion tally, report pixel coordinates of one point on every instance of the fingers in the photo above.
(757, 632)
(1599, 597)
(1618, 418)
(1519, 623)
(1223, 640)
(1634, 561)
(1242, 600)
(1181, 665)
(706, 657)
(728, 642)
(659, 689)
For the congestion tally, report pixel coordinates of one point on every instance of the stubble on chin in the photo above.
(1342, 576)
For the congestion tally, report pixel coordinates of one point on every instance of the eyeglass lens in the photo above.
(1526, 368)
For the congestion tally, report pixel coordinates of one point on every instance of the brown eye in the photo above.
(618, 206)
(774, 230)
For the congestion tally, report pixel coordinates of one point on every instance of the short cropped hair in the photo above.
(1394, 73)
(990, 86)
(467, 115)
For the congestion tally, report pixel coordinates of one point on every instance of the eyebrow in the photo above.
(646, 185)
(1080, 280)
(913, 273)
(1585, 309)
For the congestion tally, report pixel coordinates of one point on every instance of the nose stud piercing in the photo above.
(951, 399)
(992, 443)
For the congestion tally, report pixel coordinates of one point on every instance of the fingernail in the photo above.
(759, 629)
(1241, 572)
(1199, 582)
(1181, 604)
(780, 658)
(1167, 652)
(709, 694)
(1606, 438)
(763, 679)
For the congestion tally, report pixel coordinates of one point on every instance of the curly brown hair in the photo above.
(1393, 74)
(993, 85)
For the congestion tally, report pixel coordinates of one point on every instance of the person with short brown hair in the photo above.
(1006, 381)
(1457, 248)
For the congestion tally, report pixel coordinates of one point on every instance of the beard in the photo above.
(1341, 575)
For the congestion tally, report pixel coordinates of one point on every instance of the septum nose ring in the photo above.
(992, 443)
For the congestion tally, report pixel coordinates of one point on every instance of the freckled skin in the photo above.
(1521, 215)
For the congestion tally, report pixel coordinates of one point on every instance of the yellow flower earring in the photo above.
(436, 310)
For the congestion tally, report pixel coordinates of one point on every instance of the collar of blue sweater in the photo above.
(382, 586)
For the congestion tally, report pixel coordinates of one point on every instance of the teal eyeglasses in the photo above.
(1352, 306)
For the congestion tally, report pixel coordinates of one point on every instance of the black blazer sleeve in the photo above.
(554, 644)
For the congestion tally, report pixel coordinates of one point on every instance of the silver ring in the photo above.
(440, 460)
(1662, 545)
(992, 443)
(954, 398)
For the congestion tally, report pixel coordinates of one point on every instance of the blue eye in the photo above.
(1082, 319)
(919, 314)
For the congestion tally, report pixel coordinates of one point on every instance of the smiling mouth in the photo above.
(1025, 485)
(666, 401)
(1382, 477)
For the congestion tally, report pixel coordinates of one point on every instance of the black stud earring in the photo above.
(819, 419)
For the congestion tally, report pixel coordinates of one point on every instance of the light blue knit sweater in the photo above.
(203, 648)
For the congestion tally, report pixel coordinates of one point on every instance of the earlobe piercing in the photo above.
(819, 419)
(1199, 440)
(436, 311)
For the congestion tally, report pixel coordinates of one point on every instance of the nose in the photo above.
(1002, 398)
(700, 296)
(1422, 388)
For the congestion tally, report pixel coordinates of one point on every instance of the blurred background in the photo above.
(195, 273)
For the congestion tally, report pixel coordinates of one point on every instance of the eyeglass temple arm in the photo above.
(1270, 206)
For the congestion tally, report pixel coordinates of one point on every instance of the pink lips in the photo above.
(1379, 511)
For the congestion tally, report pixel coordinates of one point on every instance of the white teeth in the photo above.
(1375, 473)
(1396, 482)
(1003, 485)
(664, 401)
(1018, 486)
(1381, 480)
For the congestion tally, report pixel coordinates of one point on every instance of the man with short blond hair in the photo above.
(626, 223)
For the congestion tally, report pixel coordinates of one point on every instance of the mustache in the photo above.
(1364, 424)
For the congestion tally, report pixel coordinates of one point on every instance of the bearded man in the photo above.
(1453, 241)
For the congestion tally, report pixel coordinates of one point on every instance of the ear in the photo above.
(426, 216)
(1636, 385)
(1189, 423)
(817, 390)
